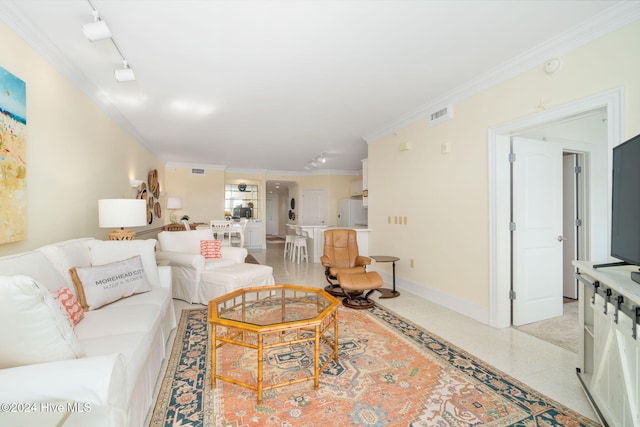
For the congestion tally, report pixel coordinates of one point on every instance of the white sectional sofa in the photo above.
(109, 362)
(197, 279)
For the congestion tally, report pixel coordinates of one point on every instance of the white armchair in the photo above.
(181, 250)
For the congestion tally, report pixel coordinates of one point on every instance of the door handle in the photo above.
(561, 239)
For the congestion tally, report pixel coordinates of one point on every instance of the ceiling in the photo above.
(269, 85)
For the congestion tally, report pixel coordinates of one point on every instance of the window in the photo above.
(241, 201)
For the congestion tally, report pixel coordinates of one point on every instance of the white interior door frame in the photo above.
(572, 211)
(500, 198)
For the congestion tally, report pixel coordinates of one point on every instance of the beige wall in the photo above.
(445, 196)
(203, 196)
(337, 186)
(75, 153)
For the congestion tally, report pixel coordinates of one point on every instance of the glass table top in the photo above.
(272, 305)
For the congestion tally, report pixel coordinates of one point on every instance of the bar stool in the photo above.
(300, 246)
(288, 244)
(299, 233)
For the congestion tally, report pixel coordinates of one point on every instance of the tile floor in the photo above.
(543, 366)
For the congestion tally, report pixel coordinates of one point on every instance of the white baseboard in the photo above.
(462, 306)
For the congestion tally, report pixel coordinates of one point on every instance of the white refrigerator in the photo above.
(351, 213)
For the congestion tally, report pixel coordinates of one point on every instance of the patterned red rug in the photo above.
(390, 373)
(250, 259)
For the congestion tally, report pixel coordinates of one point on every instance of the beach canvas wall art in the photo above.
(13, 164)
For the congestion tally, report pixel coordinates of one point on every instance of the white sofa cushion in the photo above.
(213, 263)
(134, 346)
(35, 265)
(100, 285)
(184, 241)
(67, 254)
(106, 251)
(221, 281)
(117, 320)
(35, 328)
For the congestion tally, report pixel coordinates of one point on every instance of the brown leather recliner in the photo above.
(341, 259)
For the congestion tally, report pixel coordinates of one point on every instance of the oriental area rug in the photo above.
(250, 259)
(390, 373)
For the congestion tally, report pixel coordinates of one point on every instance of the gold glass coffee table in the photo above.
(263, 318)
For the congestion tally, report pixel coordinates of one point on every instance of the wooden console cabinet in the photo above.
(609, 353)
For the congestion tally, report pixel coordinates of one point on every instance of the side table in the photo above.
(177, 227)
(388, 293)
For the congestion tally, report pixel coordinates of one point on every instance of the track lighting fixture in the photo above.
(315, 162)
(124, 74)
(96, 30)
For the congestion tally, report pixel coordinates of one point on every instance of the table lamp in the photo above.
(173, 203)
(122, 213)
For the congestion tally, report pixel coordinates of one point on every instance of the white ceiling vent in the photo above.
(197, 171)
(441, 115)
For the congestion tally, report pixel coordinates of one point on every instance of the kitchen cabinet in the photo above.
(254, 235)
(365, 182)
(356, 188)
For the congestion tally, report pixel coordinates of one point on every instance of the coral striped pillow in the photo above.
(71, 306)
(210, 248)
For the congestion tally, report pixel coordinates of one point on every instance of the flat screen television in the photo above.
(625, 209)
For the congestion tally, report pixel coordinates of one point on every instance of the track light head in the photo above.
(97, 30)
(124, 74)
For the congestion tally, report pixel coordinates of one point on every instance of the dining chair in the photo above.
(221, 227)
(237, 232)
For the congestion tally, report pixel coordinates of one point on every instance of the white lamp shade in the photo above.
(174, 203)
(122, 213)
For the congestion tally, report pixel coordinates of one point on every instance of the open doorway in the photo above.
(597, 162)
(548, 220)
(278, 206)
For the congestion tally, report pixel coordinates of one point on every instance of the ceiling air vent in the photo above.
(197, 171)
(441, 115)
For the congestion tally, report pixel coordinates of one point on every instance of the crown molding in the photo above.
(610, 20)
(181, 165)
(260, 171)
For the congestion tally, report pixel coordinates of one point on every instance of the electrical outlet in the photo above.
(411, 263)
(395, 219)
(404, 219)
(389, 219)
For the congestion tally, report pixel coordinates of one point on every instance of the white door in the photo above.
(314, 207)
(272, 215)
(537, 238)
(569, 227)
